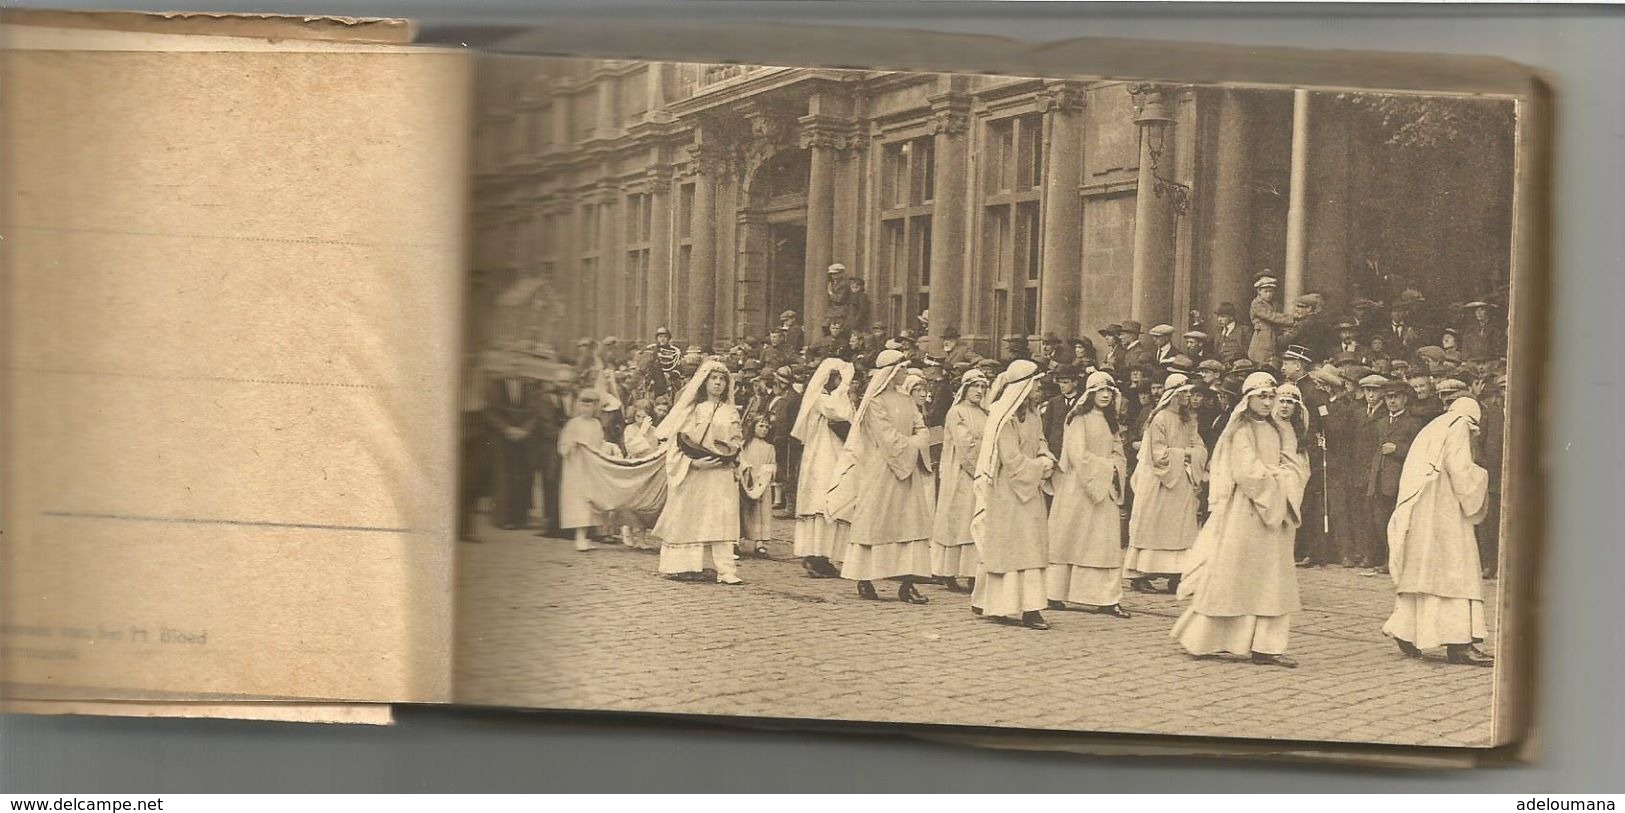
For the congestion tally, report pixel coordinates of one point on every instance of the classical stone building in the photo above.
(615, 197)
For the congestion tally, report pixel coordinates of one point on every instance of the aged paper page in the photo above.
(230, 307)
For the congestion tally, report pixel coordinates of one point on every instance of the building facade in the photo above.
(616, 197)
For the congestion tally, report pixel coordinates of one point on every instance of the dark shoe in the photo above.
(908, 595)
(1057, 605)
(953, 585)
(1262, 659)
(1467, 655)
(866, 590)
(817, 567)
(1409, 649)
(1173, 585)
(1141, 585)
(975, 610)
(1034, 620)
(1115, 611)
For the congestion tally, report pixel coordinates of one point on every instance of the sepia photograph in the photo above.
(1088, 405)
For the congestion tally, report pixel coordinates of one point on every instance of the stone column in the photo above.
(1152, 288)
(608, 115)
(1326, 256)
(1061, 264)
(823, 137)
(655, 77)
(612, 297)
(951, 176)
(1297, 200)
(700, 289)
(659, 295)
(1232, 204)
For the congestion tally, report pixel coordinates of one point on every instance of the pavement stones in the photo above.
(543, 626)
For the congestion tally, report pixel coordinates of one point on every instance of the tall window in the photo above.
(902, 283)
(639, 243)
(1012, 174)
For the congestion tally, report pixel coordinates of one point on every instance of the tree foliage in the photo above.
(1432, 121)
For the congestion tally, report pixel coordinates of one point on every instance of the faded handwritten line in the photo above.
(236, 237)
(303, 526)
(169, 377)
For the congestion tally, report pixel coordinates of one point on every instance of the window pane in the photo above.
(1028, 212)
(685, 212)
(1030, 313)
(928, 169)
(922, 233)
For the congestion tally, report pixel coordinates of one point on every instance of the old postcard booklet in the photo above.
(1127, 397)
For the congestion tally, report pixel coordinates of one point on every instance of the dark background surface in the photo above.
(1582, 715)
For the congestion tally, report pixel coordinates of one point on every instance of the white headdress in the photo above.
(1014, 385)
(807, 416)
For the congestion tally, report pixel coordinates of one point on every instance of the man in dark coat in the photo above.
(794, 336)
(551, 416)
(1311, 545)
(510, 417)
(1056, 409)
(1135, 352)
(1390, 432)
(1309, 328)
(781, 418)
(1115, 357)
(1230, 338)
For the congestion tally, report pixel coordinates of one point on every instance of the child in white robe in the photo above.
(758, 465)
(582, 435)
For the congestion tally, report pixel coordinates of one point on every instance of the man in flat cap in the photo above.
(1162, 345)
(1269, 321)
(1195, 345)
(1230, 338)
(858, 308)
(794, 336)
(1359, 458)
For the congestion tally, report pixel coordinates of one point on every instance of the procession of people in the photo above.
(1050, 479)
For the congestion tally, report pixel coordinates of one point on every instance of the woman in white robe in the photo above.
(825, 404)
(1010, 524)
(892, 491)
(953, 552)
(1241, 578)
(1085, 522)
(1432, 550)
(700, 522)
(1170, 470)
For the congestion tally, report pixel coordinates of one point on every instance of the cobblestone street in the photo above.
(540, 625)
